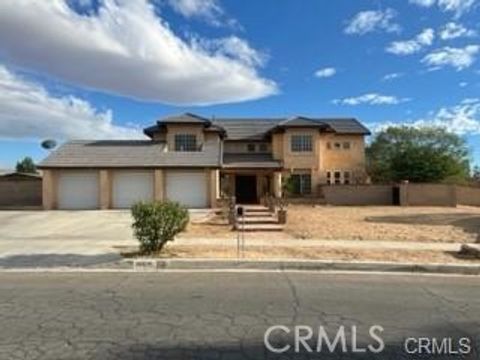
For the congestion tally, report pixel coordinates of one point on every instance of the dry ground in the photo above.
(387, 223)
(314, 253)
(425, 224)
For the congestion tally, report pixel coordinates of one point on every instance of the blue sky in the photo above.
(105, 69)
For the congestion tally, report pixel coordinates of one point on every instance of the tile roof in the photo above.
(128, 153)
(250, 161)
(257, 128)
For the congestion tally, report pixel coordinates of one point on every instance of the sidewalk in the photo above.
(343, 244)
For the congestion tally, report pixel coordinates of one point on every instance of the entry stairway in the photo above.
(258, 218)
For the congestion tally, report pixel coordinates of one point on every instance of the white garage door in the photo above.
(189, 188)
(130, 187)
(78, 190)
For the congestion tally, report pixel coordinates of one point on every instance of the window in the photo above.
(302, 184)
(337, 145)
(301, 143)
(346, 145)
(186, 142)
(251, 147)
(263, 148)
(338, 177)
(329, 145)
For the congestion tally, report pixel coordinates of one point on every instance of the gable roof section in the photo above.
(246, 129)
(258, 128)
(128, 154)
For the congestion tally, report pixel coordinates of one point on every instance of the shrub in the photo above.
(157, 223)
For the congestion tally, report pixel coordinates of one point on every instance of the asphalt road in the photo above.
(106, 316)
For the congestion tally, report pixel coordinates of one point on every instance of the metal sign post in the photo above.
(240, 214)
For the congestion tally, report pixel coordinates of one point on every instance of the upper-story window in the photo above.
(263, 148)
(186, 142)
(251, 147)
(301, 143)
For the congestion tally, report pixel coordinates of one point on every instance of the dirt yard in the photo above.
(426, 224)
(314, 253)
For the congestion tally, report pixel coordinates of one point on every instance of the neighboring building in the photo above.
(193, 160)
(19, 190)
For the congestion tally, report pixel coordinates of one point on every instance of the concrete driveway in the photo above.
(63, 238)
(66, 238)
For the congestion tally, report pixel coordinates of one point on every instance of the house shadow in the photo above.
(468, 222)
(394, 348)
(59, 260)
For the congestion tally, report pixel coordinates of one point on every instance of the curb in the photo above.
(146, 264)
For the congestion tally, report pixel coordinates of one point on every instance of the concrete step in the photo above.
(259, 220)
(261, 227)
(255, 208)
(258, 214)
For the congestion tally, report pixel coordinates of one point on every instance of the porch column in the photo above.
(213, 187)
(158, 185)
(277, 184)
(49, 190)
(105, 189)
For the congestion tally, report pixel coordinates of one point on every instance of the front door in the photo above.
(246, 189)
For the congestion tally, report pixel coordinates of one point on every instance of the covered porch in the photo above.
(250, 177)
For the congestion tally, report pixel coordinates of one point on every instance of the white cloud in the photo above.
(28, 110)
(392, 76)
(461, 119)
(458, 7)
(408, 47)
(463, 84)
(424, 3)
(325, 72)
(126, 49)
(371, 20)
(453, 30)
(458, 58)
(209, 10)
(371, 99)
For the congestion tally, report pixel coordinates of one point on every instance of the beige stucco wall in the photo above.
(20, 192)
(49, 189)
(173, 129)
(468, 195)
(321, 159)
(213, 181)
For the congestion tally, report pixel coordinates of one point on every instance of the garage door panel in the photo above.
(130, 187)
(78, 190)
(189, 188)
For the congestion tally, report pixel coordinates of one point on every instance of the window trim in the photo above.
(303, 148)
(187, 148)
(302, 184)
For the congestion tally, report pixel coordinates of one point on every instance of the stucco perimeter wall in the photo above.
(468, 196)
(20, 192)
(430, 195)
(358, 194)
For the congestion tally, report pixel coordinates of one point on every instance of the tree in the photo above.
(428, 154)
(26, 165)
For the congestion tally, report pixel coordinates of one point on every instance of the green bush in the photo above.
(157, 223)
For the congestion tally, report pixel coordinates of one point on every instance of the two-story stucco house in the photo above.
(193, 160)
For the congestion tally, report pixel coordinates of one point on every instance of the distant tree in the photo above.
(428, 154)
(26, 165)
